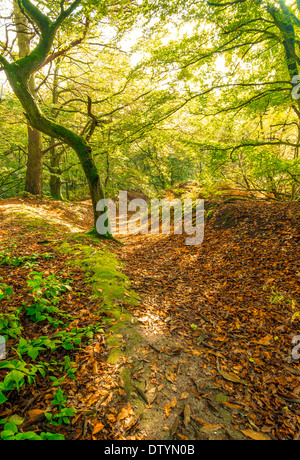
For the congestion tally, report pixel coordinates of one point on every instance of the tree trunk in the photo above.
(34, 172)
(55, 157)
(55, 182)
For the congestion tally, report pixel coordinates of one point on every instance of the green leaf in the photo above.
(2, 398)
(30, 436)
(52, 437)
(10, 426)
(7, 435)
(22, 342)
(68, 411)
(16, 419)
(14, 376)
(33, 353)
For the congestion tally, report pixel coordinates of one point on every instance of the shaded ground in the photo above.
(207, 352)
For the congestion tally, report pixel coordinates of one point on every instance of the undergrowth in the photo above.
(22, 367)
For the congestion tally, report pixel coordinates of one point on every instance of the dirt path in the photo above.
(219, 320)
(179, 399)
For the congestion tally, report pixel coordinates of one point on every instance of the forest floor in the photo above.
(197, 346)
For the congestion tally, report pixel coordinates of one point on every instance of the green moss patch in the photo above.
(109, 284)
(104, 270)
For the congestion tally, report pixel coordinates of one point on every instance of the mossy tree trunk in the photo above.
(55, 182)
(19, 73)
(34, 171)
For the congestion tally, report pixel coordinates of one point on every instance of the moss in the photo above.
(221, 397)
(32, 223)
(126, 377)
(108, 282)
(109, 285)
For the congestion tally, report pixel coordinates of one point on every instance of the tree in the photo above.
(34, 171)
(257, 43)
(19, 73)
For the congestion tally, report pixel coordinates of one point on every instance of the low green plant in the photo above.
(48, 256)
(30, 264)
(7, 259)
(11, 432)
(10, 325)
(63, 414)
(45, 293)
(66, 366)
(42, 309)
(20, 371)
(5, 290)
(62, 339)
(33, 347)
(69, 339)
(278, 298)
(50, 287)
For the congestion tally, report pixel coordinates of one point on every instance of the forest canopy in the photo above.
(149, 221)
(147, 95)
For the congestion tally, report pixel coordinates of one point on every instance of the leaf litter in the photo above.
(229, 376)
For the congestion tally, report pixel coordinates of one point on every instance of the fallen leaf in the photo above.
(125, 412)
(175, 425)
(168, 407)
(121, 382)
(230, 377)
(36, 414)
(33, 413)
(95, 368)
(98, 428)
(255, 435)
(232, 406)
(152, 394)
(197, 353)
(187, 415)
(170, 376)
(265, 340)
(206, 426)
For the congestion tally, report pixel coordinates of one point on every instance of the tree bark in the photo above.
(55, 157)
(55, 182)
(34, 171)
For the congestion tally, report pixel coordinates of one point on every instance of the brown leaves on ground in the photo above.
(92, 392)
(240, 291)
(227, 311)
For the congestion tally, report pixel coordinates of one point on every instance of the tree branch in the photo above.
(29, 64)
(73, 44)
(226, 3)
(41, 20)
